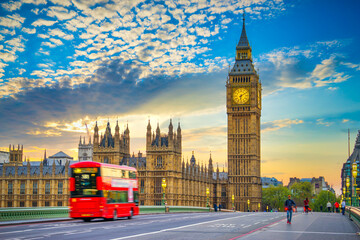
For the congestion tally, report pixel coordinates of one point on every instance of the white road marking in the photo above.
(256, 223)
(170, 229)
(302, 232)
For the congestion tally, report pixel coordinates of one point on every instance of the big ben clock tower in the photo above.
(243, 105)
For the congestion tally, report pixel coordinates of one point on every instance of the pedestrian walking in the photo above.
(306, 205)
(289, 204)
(219, 207)
(343, 204)
(336, 205)
(215, 207)
(328, 205)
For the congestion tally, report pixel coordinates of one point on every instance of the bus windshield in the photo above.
(85, 182)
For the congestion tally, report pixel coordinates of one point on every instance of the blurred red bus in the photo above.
(99, 190)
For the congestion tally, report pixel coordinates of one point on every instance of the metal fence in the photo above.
(16, 214)
(354, 214)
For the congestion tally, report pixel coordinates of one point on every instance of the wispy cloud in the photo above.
(321, 121)
(304, 67)
(278, 124)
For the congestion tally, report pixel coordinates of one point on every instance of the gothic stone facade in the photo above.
(34, 186)
(243, 105)
(186, 183)
(109, 149)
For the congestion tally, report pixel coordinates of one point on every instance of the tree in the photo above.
(275, 197)
(300, 191)
(321, 200)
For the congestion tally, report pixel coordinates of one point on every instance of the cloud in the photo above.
(43, 22)
(303, 67)
(278, 124)
(12, 5)
(29, 30)
(57, 32)
(322, 122)
(325, 73)
(65, 3)
(60, 13)
(35, 2)
(345, 120)
(13, 21)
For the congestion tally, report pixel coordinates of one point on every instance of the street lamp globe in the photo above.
(347, 182)
(354, 170)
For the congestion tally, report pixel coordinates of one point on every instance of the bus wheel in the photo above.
(115, 216)
(87, 219)
(131, 214)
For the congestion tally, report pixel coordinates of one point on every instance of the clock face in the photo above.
(241, 96)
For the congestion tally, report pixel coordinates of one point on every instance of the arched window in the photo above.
(159, 162)
(106, 160)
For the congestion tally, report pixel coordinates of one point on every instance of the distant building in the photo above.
(85, 152)
(34, 184)
(267, 182)
(59, 158)
(4, 157)
(318, 184)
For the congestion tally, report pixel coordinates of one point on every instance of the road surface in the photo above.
(217, 226)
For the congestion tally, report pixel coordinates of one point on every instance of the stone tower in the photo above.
(243, 105)
(15, 155)
(111, 149)
(85, 152)
(163, 160)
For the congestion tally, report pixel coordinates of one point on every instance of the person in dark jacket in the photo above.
(289, 204)
(219, 207)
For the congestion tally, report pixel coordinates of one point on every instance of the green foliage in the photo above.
(300, 191)
(321, 200)
(275, 197)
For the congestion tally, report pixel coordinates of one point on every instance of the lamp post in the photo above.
(233, 200)
(248, 202)
(354, 200)
(163, 184)
(207, 197)
(348, 202)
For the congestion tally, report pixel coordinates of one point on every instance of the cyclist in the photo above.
(289, 204)
(306, 205)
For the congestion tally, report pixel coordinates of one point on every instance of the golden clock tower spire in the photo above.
(243, 105)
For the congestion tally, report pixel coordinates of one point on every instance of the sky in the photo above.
(65, 64)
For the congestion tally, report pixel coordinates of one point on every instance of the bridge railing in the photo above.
(15, 214)
(354, 214)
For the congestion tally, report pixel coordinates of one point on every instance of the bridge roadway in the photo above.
(228, 226)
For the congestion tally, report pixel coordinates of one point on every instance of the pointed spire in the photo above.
(158, 130)
(80, 141)
(243, 42)
(170, 126)
(127, 131)
(149, 126)
(45, 160)
(96, 129)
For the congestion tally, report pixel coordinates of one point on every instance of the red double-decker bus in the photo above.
(99, 190)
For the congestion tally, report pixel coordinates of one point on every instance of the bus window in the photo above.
(136, 198)
(132, 175)
(85, 182)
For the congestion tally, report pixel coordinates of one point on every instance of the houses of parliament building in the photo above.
(25, 185)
